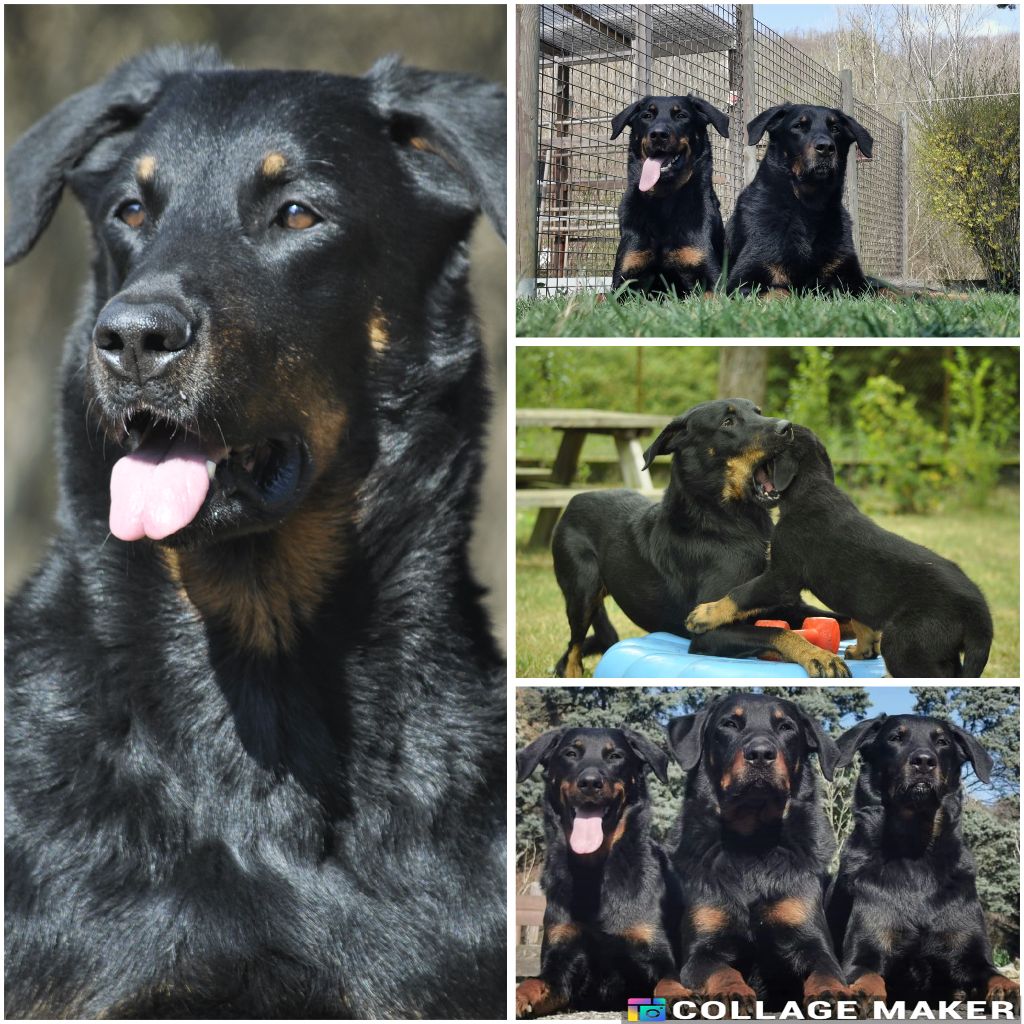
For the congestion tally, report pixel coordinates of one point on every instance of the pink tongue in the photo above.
(155, 492)
(587, 834)
(651, 172)
(764, 480)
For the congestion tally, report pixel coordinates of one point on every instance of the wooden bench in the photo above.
(625, 428)
(529, 928)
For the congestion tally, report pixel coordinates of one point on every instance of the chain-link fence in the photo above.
(596, 59)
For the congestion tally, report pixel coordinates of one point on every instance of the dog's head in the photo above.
(798, 464)
(811, 144)
(593, 777)
(753, 749)
(913, 761)
(668, 139)
(725, 446)
(262, 241)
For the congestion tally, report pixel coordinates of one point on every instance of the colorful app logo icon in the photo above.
(646, 1009)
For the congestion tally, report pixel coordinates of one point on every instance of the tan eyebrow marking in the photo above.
(145, 168)
(273, 164)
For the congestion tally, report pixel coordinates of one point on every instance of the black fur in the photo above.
(790, 229)
(671, 235)
(612, 912)
(256, 769)
(658, 562)
(904, 908)
(752, 850)
(927, 610)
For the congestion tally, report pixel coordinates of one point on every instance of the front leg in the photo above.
(633, 262)
(764, 591)
(868, 641)
(563, 969)
(795, 926)
(843, 274)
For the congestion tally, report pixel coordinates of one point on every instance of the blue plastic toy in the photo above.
(666, 656)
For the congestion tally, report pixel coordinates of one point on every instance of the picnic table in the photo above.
(551, 493)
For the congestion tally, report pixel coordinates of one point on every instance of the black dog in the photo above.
(670, 222)
(612, 915)
(659, 561)
(255, 762)
(790, 228)
(752, 854)
(926, 608)
(904, 908)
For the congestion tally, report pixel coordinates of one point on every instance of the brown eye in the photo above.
(132, 213)
(296, 217)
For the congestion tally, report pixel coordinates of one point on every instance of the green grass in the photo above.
(984, 543)
(587, 315)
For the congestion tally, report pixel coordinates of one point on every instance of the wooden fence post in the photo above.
(846, 78)
(527, 96)
(905, 195)
(745, 40)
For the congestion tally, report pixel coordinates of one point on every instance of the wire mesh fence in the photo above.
(596, 59)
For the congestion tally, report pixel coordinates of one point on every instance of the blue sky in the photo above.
(822, 17)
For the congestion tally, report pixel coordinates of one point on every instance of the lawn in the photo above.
(587, 315)
(984, 543)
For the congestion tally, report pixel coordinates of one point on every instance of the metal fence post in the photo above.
(527, 104)
(905, 194)
(745, 39)
(846, 78)
(642, 46)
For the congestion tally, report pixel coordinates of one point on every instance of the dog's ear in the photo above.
(649, 753)
(537, 752)
(41, 161)
(455, 126)
(818, 741)
(786, 467)
(667, 441)
(971, 750)
(767, 121)
(686, 737)
(623, 117)
(858, 132)
(856, 737)
(711, 115)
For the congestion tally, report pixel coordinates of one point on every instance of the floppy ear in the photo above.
(709, 114)
(859, 133)
(819, 742)
(856, 737)
(455, 126)
(649, 753)
(623, 117)
(766, 121)
(40, 162)
(686, 737)
(537, 752)
(972, 751)
(786, 466)
(666, 441)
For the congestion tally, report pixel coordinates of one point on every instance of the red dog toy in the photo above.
(821, 632)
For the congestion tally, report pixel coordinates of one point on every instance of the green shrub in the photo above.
(971, 163)
(895, 440)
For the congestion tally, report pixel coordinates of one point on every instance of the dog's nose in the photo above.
(141, 340)
(760, 749)
(783, 427)
(589, 781)
(923, 760)
(658, 135)
(826, 147)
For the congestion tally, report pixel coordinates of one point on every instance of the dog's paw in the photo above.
(824, 665)
(868, 990)
(534, 998)
(710, 615)
(672, 991)
(1000, 989)
(830, 991)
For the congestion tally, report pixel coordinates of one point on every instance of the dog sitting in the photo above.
(790, 229)
(612, 914)
(926, 608)
(670, 221)
(904, 908)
